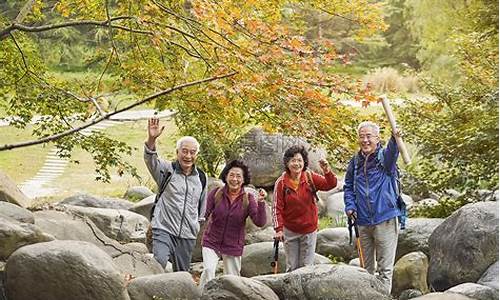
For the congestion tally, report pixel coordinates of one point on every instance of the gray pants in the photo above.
(178, 250)
(299, 249)
(379, 245)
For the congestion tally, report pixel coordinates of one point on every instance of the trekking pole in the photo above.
(353, 223)
(392, 120)
(274, 263)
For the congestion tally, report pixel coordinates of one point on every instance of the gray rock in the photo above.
(86, 200)
(137, 193)
(257, 258)
(63, 270)
(16, 212)
(128, 260)
(232, 287)
(263, 153)
(475, 291)
(9, 192)
(177, 285)
(335, 242)
(443, 296)
(118, 224)
(14, 235)
(263, 235)
(490, 277)
(410, 272)
(339, 282)
(144, 206)
(416, 236)
(464, 245)
(409, 294)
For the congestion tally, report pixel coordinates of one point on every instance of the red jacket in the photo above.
(297, 210)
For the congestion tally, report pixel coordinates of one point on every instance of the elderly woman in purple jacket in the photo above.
(227, 210)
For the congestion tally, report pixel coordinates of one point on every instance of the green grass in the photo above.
(81, 177)
(22, 163)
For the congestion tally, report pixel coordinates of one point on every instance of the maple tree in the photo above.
(223, 66)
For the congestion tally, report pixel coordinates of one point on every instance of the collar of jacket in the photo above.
(178, 168)
(225, 191)
(370, 156)
(287, 179)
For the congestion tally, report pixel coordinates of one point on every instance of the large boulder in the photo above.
(490, 277)
(67, 226)
(16, 212)
(178, 285)
(416, 235)
(63, 270)
(232, 287)
(326, 281)
(121, 225)
(263, 154)
(92, 201)
(464, 245)
(475, 291)
(443, 296)
(410, 272)
(14, 235)
(144, 206)
(335, 242)
(9, 192)
(257, 258)
(137, 193)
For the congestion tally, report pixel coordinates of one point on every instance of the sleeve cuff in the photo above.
(147, 150)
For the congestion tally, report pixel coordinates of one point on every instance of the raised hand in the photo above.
(154, 129)
(324, 165)
(262, 195)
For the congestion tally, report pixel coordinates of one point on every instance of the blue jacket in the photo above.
(375, 198)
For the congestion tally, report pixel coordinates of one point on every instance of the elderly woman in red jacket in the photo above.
(295, 212)
(227, 210)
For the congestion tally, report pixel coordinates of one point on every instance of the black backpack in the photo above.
(166, 180)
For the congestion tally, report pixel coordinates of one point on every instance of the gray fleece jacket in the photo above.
(182, 204)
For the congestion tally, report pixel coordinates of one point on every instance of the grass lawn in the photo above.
(80, 178)
(22, 163)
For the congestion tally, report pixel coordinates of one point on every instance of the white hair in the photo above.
(185, 139)
(370, 124)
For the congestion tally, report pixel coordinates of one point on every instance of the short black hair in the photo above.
(236, 164)
(290, 153)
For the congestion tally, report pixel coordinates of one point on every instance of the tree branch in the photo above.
(108, 115)
(16, 26)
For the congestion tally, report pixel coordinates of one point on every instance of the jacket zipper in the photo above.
(367, 189)
(225, 224)
(184, 208)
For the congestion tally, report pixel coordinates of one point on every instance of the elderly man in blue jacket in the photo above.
(370, 197)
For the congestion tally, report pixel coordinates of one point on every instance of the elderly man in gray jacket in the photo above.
(180, 207)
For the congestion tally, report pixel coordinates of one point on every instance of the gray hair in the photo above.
(370, 124)
(185, 139)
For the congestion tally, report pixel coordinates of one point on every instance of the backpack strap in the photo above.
(218, 196)
(245, 202)
(311, 185)
(355, 161)
(163, 185)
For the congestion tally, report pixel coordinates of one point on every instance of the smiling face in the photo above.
(296, 164)
(368, 140)
(186, 155)
(234, 179)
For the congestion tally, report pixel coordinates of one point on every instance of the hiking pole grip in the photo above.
(392, 121)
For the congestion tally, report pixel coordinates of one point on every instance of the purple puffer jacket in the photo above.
(225, 231)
